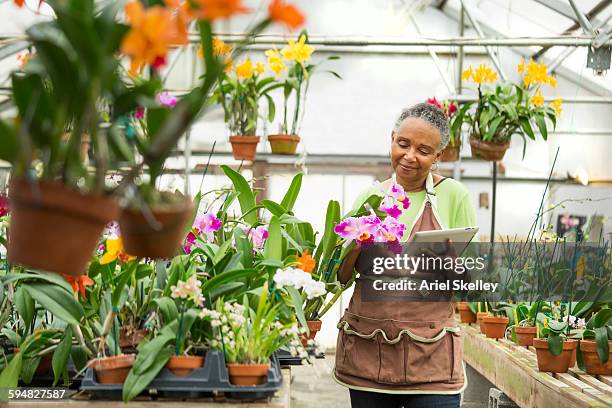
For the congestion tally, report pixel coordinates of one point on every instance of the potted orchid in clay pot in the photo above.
(596, 343)
(294, 59)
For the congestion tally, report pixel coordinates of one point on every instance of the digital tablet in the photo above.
(454, 234)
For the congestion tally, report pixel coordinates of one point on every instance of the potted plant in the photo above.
(293, 58)
(595, 344)
(509, 109)
(495, 325)
(248, 338)
(239, 93)
(482, 311)
(554, 349)
(524, 327)
(456, 116)
(466, 313)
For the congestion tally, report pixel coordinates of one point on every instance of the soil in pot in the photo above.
(495, 326)
(592, 364)
(314, 326)
(112, 370)
(525, 335)
(480, 319)
(551, 363)
(182, 366)
(248, 374)
(489, 151)
(244, 147)
(142, 239)
(283, 144)
(450, 153)
(62, 224)
(466, 315)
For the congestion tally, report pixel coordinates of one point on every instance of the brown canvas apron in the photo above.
(401, 346)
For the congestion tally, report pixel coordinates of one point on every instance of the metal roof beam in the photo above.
(563, 8)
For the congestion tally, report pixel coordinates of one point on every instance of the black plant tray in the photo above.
(212, 380)
(312, 351)
(286, 359)
(46, 379)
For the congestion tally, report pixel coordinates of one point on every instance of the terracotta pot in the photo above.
(182, 366)
(112, 370)
(450, 153)
(592, 364)
(45, 364)
(130, 338)
(525, 335)
(142, 240)
(551, 363)
(283, 144)
(495, 326)
(572, 363)
(479, 318)
(56, 228)
(489, 151)
(314, 326)
(466, 315)
(244, 147)
(248, 374)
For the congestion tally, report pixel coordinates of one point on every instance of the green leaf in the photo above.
(9, 145)
(603, 349)
(602, 317)
(555, 344)
(56, 300)
(79, 357)
(297, 304)
(246, 197)
(526, 126)
(61, 354)
(25, 306)
(329, 239)
(273, 244)
(541, 123)
(243, 247)
(167, 308)
(222, 278)
(10, 376)
(292, 193)
(135, 383)
(274, 208)
(493, 127)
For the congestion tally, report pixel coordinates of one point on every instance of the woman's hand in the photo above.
(345, 272)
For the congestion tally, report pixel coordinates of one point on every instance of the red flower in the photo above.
(433, 101)
(286, 14)
(452, 109)
(4, 205)
(79, 284)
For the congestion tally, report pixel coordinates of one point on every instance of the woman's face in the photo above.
(414, 148)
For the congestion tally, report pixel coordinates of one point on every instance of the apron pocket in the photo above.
(356, 356)
(392, 367)
(457, 373)
(429, 362)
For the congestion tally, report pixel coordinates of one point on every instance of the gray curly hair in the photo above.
(430, 114)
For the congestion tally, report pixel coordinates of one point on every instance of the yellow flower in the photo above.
(537, 100)
(545, 322)
(220, 48)
(552, 81)
(229, 65)
(299, 52)
(245, 70)
(556, 105)
(260, 68)
(114, 251)
(535, 73)
(275, 62)
(480, 75)
(520, 68)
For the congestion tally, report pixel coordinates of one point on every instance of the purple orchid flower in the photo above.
(139, 113)
(397, 192)
(258, 235)
(390, 208)
(166, 99)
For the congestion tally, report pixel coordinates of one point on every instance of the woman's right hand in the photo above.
(345, 272)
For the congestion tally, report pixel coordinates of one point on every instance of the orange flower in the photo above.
(213, 9)
(306, 262)
(182, 17)
(286, 14)
(23, 59)
(151, 34)
(79, 284)
(19, 3)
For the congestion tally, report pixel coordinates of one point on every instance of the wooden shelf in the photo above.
(513, 369)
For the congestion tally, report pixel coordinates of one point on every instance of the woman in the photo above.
(407, 353)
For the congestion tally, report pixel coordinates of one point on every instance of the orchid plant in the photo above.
(456, 115)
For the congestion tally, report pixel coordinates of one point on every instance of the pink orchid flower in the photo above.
(4, 205)
(397, 192)
(258, 235)
(139, 113)
(207, 224)
(166, 99)
(390, 230)
(390, 208)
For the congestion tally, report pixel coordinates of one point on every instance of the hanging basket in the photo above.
(55, 228)
(489, 151)
(450, 153)
(142, 239)
(244, 147)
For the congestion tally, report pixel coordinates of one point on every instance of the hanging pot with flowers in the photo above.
(456, 115)
(294, 59)
(509, 109)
